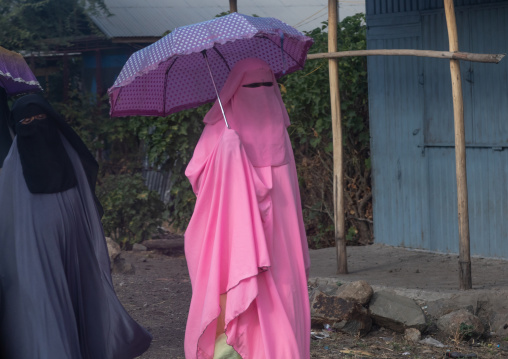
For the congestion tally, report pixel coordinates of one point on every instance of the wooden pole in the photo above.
(338, 177)
(98, 73)
(65, 76)
(232, 6)
(460, 151)
(32, 62)
(467, 56)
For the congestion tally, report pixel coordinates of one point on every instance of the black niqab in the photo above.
(46, 165)
(5, 136)
(25, 106)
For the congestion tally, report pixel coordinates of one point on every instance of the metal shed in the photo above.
(411, 119)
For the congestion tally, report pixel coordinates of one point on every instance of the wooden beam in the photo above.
(164, 244)
(232, 6)
(466, 56)
(135, 40)
(338, 176)
(460, 151)
(45, 71)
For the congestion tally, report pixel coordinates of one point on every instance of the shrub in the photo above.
(131, 211)
(306, 94)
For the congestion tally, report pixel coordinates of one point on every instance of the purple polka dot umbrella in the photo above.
(15, 75)
(189, 66)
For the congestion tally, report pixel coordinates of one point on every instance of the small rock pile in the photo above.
(354, 307)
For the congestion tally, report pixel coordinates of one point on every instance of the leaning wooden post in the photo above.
(338, 176)
(460, 151)
(232, 6)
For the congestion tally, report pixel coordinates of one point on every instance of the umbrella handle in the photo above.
(215, 87)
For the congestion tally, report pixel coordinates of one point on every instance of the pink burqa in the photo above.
(246, 238)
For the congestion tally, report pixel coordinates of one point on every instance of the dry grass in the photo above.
(381, 344)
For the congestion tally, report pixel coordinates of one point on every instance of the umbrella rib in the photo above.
(287, 53)
(222, 57)
(166, 88)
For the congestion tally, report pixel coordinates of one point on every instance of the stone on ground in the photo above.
(359, 291)
(396, 312)
(500, 325)
(461, 324)
(412, 335)
(433, 342)
(113, 249)
(344, 315)
(118, 264)
(139, 247)
(122, 266)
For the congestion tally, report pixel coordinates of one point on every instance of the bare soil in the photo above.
(158, 297)
(397, 267)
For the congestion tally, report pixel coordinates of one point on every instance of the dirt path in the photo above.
(158, 297)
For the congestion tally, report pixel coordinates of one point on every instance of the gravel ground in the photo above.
(158, 297)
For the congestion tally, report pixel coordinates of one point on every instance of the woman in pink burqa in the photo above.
(245, 245)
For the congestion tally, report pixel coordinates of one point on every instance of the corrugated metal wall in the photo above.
(412, 146)
(379, 7)
(159, 181)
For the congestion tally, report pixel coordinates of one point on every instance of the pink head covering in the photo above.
(257, 114)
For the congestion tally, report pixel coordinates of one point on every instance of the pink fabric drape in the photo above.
(246, 238)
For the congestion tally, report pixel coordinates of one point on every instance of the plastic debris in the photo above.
(320, 335)
(460, 355)
(357, 353)
(406, 353)
(433, 342)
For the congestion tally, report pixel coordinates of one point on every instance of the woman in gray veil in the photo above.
(5, 134)
(56, 295)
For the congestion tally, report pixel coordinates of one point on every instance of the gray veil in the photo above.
(56, 292)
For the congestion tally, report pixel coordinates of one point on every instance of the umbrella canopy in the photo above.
(172, 74)
(15, 75)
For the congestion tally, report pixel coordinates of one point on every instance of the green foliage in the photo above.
(351, 234)
(466, 331)
(307, 97)
(121, 144)
(113, 140)
(224, 13)
(37, 24)
(131, 211)
(169, 144)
